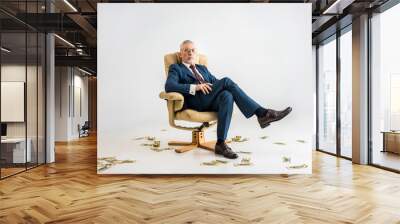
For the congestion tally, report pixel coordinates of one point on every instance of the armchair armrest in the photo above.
(175, 100)
(171, 96)
(175, 103)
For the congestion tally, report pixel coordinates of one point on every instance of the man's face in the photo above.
(188, 53)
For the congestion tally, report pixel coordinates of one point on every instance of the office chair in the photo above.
(84, 130)
(175, 104)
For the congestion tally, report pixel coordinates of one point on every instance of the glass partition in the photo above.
(14, 153)
(22, 77)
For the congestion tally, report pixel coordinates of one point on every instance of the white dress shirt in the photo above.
(192, 86)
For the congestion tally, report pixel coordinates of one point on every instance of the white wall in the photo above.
(68, 81)
(314, 73)
(80, 84)
(15, 72)
(62, 80)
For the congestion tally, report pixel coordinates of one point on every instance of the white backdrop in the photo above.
(264, 48)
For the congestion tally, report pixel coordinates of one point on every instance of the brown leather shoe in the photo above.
(225, 150)
(272, 116)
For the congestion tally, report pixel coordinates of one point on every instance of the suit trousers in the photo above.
(224, 93)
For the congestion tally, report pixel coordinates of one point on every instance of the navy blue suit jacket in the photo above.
(180, 78)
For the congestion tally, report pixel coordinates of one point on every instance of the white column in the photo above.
(50, 100)
(360, 90)
(50, 92)
(63, 101)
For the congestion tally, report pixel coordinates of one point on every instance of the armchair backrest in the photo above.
(173, 58)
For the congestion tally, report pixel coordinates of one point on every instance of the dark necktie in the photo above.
(197, 75)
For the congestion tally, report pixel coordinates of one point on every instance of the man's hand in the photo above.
(205, 87)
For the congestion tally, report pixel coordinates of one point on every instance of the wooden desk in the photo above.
(391, 141)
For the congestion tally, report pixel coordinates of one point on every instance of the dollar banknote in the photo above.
(158, 149)
(214, 162)
(150, 138)
(300, 166)
(244, 162)
(244, 152)
(105, 163)
(239, 138)
(286, 159)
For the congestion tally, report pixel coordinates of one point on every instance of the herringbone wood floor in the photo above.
(70, 191)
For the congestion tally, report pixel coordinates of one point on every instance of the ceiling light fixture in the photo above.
(333, 8)
(5, 50)
(70, 5)
(84, 71)
(64, 40)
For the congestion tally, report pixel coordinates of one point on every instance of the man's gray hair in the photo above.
(185, 42)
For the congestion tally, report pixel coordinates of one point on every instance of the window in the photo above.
(327, 97)
(346, 94)
(385, 89)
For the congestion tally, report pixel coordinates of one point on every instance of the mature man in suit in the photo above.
(203, 92)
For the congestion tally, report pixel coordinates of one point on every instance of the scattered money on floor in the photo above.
(153, 144)
(239, 138)
(214, 162)
(244, 152)
(301, 166)
(107, 162)
(107, 159)
(244, 162)
(150, 138)
(156, 144)
(286, 159)
(158, 149)
(103, 167)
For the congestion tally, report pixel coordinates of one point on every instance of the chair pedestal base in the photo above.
(198, 141)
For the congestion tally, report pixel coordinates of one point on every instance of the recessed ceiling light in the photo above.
(84, 71)
(64, 40)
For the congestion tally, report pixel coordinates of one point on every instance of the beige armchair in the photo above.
(175, 104)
